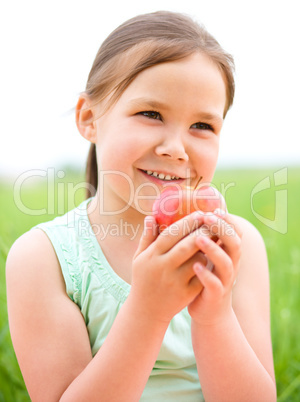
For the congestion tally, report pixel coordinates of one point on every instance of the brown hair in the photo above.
(142, 42)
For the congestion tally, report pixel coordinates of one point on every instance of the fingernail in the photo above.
(198, 267)
(203, 239)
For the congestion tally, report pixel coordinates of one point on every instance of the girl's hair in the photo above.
(142, 42)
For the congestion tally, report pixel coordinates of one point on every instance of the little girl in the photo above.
(104, 307)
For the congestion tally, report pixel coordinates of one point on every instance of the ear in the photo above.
(85, 119)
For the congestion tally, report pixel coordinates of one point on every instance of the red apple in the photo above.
(175, 203)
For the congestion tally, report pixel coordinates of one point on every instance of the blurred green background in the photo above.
(267, 197)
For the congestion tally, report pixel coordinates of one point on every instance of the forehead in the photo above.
(194, 81)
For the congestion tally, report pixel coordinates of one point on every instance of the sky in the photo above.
(48, 48)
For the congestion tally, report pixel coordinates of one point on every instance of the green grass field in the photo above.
(269, 209)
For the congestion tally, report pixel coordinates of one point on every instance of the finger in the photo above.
(229, 238)
(178, 230)
(195, 284)
(150, 233)
(184, 250)
(186, 269)
(207, 278)
(223, 265)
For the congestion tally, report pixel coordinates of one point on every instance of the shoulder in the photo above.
(253, 249)
(249, 232)
(29, 240)
(31, 245)
(32, 257)
(252, 243)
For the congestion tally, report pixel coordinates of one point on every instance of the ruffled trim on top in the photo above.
(98, 263)
(73, 268)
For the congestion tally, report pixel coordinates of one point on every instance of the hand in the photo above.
(214, 301)
(163, 278)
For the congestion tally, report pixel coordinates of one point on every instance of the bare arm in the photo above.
(47, 329)
(232, 341)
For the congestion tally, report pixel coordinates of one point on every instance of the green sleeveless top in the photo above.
(99, 292)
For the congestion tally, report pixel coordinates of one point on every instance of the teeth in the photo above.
(161, 175)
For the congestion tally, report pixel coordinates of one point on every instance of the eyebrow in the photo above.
(144, 102)
(210, 117)
(148, 102)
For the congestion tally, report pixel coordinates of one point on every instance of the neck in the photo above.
(122, 222)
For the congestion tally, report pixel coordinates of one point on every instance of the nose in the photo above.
(172, 148)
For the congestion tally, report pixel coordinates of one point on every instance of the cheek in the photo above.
(207, 160)
(121, 143)
(114, 175)
(116, 156)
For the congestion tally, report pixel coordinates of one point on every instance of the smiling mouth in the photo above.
(161, 176)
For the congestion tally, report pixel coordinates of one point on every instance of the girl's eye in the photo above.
(151, 114)
(202, 126)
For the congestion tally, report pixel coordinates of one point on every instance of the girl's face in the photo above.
(167, 122)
